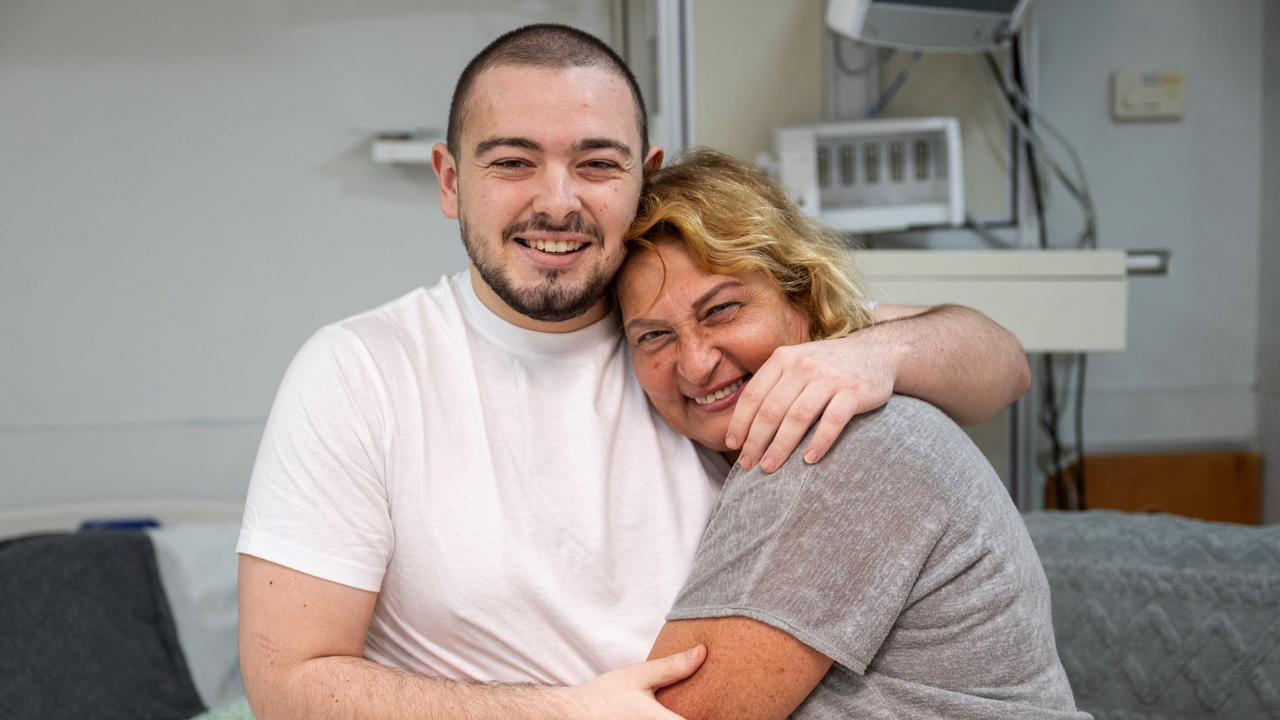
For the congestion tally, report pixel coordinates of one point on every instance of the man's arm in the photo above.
(301, 648)
(753, 671)
(955, 358)
(951, 356)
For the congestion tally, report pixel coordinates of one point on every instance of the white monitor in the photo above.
(929, 25)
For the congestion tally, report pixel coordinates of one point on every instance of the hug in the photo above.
(657, 416)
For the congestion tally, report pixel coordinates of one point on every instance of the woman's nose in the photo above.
(698, 359)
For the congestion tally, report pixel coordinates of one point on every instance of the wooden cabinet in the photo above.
(1219, 486)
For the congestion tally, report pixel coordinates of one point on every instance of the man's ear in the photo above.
(447, 173)
(654, 160)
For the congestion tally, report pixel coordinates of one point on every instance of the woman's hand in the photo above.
(628, 692)
(829, 379)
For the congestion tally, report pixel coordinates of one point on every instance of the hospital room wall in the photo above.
(1189, 375)
(1269, 269)
(186, 195)
(757, 65)
(1189, 378)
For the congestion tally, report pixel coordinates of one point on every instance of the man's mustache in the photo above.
(541, 223)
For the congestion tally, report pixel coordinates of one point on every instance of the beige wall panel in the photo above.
(960, 86)
(757, 66)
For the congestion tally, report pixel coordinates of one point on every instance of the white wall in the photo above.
(185, 195)
(1269, 273)
(1189, 375)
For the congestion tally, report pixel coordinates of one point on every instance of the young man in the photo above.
(467, 484)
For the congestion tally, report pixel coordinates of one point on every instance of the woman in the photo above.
(892, 579)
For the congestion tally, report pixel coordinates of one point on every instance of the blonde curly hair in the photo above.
(732, 218)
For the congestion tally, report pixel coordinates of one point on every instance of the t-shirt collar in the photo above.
(518, 339)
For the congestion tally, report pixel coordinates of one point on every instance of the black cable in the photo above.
(1033, 176)
(1050, 413)
(899, 80)
(1079, 481)
(1050, 421)
(1081, 359)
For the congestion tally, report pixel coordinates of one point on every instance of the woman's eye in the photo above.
(651, 336)
(722, 310)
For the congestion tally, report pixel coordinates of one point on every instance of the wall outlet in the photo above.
(1159, 95)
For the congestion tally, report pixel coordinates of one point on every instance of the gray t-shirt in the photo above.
(900, 557)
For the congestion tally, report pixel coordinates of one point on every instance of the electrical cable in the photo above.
(1033, 176)
(1078, 188)
(1049, 419)
(983, 231)
(901, 79)
(1049, 423)
(1071, 184)
(881, 54)
(1057, 135)
(1080, 494)
(1073, 496)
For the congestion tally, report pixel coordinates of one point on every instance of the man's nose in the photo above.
(557, 195)
(698, 359)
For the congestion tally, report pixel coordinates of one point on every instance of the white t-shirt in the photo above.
(523, 513)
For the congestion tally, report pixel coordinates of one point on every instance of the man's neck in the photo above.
(495, 304)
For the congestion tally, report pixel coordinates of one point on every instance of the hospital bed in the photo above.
(1154, 616)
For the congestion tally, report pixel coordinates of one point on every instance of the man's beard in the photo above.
(551, 300)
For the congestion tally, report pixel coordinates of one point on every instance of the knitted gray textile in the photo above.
(1163, 617)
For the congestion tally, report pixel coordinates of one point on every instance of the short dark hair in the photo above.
(542, 45)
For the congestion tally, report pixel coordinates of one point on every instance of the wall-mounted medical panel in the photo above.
(875, 175)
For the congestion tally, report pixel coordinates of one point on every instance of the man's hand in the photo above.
(829, 379)
(951, 356)
(628, 692)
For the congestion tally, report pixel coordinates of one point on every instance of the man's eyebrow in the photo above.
(602, 144)
(519, 142)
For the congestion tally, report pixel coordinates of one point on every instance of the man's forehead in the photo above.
(540, 103)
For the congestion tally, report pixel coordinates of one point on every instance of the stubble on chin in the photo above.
(549, 300)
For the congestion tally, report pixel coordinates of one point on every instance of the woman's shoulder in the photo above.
(909, 446)
(905, 429)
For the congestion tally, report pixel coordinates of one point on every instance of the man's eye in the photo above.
(509, 164)
(600, 165)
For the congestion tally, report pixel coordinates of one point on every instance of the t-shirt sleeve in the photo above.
(827, 553)
(317, 501)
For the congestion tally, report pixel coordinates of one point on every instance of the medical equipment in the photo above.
(875, 175)
(929, 25)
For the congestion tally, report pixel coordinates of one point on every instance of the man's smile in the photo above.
(554, 243)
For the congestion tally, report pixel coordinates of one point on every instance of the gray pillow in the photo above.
(85, 631)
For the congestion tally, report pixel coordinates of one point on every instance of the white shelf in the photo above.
(414, 150)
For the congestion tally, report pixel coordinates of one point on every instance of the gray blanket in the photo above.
(1164, 617)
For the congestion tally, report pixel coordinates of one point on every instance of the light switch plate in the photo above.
(1158, 95)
